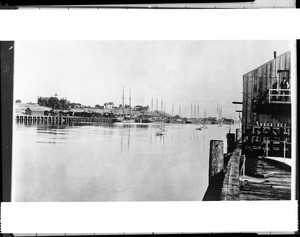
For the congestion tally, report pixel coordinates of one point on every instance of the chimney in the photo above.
(274, 54)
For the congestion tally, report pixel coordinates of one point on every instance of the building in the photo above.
(37, 110)
(266, 120)
(109, 105)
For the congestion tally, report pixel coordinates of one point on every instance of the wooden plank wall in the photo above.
(260, 80)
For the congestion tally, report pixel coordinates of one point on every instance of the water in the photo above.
(120, 162)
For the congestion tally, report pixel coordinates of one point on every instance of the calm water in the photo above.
(122, 162)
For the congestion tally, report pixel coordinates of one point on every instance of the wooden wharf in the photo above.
(272, 182)
(60, 119)
(233, 178)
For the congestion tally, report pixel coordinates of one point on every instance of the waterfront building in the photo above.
(36, 110)
(266, 120)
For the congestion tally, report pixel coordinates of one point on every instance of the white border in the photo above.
(149, 24)
(140, 217)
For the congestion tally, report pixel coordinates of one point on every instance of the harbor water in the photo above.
(118, 162)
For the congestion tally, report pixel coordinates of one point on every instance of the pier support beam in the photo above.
(216, 158)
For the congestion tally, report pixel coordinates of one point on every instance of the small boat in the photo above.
(199, 129)
(161, 132)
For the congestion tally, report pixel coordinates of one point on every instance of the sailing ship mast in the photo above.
(123, 101)
(130, 101)
(173, 110)
(205, 116)
(152, 104)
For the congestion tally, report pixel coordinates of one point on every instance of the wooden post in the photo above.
(216, 158)
(238, 135)
(230, 142)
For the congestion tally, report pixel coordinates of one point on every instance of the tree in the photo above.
(18, 101)
(53, 102)
(64, 104)
(97, 106)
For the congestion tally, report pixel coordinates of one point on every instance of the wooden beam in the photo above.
(239, 111)
(279, 71)
(237, 102)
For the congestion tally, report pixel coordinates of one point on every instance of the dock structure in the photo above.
(256, 165)
(266, 116)
(273, 183)
(228, 180)
(60, 119)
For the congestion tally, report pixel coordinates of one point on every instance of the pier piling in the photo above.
(216, 158)
(230, 142)
(238, 135)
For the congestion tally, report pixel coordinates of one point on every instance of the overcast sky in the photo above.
(179, 72)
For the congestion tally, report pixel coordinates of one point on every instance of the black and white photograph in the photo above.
(115, 121)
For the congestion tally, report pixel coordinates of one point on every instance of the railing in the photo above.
(279, 95)
(284, 147)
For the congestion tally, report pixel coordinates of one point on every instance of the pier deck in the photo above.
(272, 183)
(60, 119)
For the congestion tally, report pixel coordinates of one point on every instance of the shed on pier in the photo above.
(37, 110)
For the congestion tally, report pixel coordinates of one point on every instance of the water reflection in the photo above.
(142, 126)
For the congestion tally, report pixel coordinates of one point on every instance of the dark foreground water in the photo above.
(121, 162)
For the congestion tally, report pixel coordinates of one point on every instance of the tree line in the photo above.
(55, 103)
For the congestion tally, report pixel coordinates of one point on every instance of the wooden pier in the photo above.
(272, 182)
(60, 119)
(231, 179)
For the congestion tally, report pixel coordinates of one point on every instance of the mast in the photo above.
(161, 105)
(172, 110)
(191, 110)
(179, 111)
(123, 101)
(130, 101)
(152, 104)
(204, 113)
(156, 103)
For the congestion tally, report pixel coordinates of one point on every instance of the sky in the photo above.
(208, 73)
